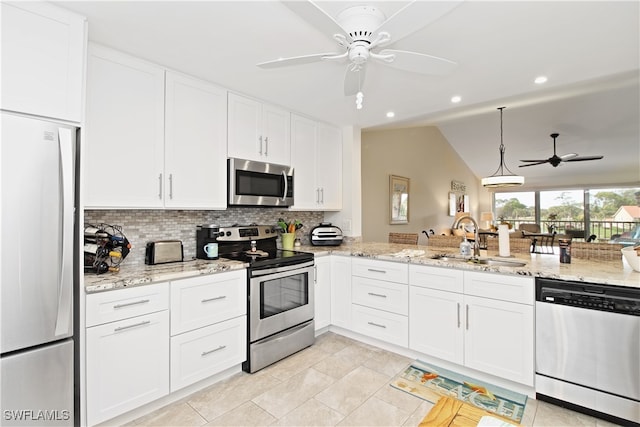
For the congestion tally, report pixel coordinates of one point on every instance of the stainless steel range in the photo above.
(280, 293)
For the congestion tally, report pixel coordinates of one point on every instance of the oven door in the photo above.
(280, 300)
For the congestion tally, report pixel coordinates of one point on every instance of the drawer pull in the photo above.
(135, 325)
(376, 271)
(204, 353)
(127, 304)
(467, 316)
(458, 315)
(377, 295)
(213, 299)
(377, 324)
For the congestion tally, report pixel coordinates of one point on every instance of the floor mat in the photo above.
(430, 382)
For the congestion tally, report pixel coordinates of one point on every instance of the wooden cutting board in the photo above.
(455, 413)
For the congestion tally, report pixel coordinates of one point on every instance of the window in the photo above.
(600, 214)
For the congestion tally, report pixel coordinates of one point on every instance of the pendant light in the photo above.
(499, 178)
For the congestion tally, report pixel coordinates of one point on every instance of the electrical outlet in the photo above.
(346, 225)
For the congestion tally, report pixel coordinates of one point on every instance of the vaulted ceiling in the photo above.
(588, 50)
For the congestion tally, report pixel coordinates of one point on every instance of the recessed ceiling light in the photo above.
(390, 114)
(456, 99)
(540, 79)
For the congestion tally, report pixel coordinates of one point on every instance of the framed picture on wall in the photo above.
(398, 200)
(458, 203)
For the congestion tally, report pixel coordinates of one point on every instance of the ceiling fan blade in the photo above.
(419, 62)
(296, 60)
(582, 159)
(568, 156)
(534, 164)
(353, 80)
(414, 16)
(537, 160)
(318, 18)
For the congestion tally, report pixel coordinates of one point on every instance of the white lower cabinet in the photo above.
(322, 297)
(208, 326)
(206, 351)
(341, 291)
(379, 324)
(127, 360)
(483, 321)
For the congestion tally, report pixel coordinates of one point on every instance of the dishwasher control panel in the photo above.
(592, 296)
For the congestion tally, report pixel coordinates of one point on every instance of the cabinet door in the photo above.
(43, 51)
(195, 144)
(499, 338)
(322, 286)
(245, 134)
(276, 139)
(341, 291)
(436, 323)
(329, 167)
(303, 152)
(124, 133)
(127, 365)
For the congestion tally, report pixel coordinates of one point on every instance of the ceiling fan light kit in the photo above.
(499, 178)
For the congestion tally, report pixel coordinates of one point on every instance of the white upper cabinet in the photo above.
(258, 131)
(124, 147)
(316, 156)
(184, 168)
(43, 51)
(195, 144)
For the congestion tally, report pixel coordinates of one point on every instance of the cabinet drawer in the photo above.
(204, 352)
(499, 286)
(379, 294)
(381, 270)
(444, 279)
(389, 327)
(121, 304)
(204, 300)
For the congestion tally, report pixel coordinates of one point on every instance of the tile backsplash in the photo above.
(142, 226)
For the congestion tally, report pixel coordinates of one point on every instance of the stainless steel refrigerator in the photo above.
(38, 202)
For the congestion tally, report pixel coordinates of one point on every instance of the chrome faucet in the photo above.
(476, 243)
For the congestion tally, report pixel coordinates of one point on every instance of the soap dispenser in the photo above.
(465, 247)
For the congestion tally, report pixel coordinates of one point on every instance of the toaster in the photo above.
(325, 234)
(163, 251)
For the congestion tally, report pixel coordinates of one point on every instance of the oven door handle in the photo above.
(259, 273)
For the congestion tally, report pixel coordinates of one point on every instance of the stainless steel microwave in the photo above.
(254, 183)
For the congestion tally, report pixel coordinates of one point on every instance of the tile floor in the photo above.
(336, 382)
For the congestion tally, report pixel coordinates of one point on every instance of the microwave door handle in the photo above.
(286, 186)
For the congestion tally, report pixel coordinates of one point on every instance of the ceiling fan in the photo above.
(360, 32)
(555, 160)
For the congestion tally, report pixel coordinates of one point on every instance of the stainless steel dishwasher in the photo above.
(588, 348)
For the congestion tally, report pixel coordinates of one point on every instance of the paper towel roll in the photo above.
(503, 240)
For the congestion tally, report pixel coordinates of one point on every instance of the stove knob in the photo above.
(267, 231)
(228, 233)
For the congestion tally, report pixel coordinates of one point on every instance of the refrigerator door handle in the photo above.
(65, 290)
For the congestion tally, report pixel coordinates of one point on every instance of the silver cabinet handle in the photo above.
(322, 194)
(458, 315)
(135, 325)
(315, 274)
(376, 271)
(377, 295)
(127, 304)
(213, 299)
(377, 324)
(170, 186)
(160, 186)
(286, 186)
(467, 316)
(266, 145)
(318, 196)
(204, 353)
(260, 149)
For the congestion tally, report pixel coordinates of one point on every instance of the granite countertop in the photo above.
(615, 272)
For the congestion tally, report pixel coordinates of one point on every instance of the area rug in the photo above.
(430, 382)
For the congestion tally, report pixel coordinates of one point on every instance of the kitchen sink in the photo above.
(480, 261)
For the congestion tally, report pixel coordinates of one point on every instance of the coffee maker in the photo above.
(207, 241)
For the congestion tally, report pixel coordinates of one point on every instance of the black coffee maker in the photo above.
(207, 241)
